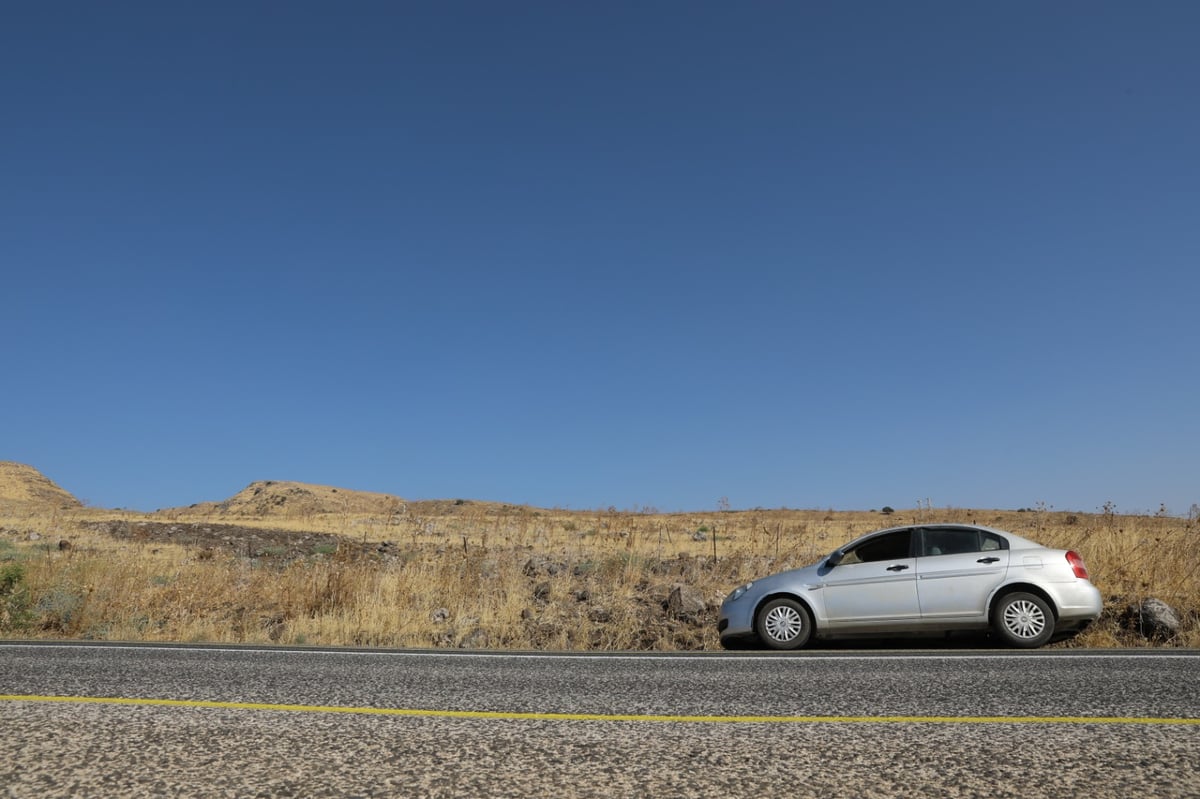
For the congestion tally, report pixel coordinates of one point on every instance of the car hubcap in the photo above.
(1024, 619)
(783, 623)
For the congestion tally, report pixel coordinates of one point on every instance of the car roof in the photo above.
(1013, 538)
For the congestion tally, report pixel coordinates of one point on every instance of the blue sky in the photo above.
(833, 255)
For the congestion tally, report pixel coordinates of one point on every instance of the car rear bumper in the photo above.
(1078, 603)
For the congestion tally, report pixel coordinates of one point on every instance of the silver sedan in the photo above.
(932, 578)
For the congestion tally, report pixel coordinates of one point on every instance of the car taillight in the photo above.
(1077, 565)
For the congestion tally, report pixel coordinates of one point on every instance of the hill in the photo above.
(267, 498)
(25, 486)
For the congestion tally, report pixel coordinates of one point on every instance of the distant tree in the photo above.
(887, 510)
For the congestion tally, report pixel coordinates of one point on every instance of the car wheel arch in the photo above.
(795, 598)
(1019, 588)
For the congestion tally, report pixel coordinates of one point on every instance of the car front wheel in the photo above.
(1023, 620)
(784, 624)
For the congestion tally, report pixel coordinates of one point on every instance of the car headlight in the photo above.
(737, 592)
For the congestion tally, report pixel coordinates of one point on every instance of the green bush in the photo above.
(14, 598)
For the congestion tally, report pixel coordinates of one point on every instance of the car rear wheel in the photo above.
(784, 624)
(1023, 620)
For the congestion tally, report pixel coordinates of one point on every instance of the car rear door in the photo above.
(957, 570)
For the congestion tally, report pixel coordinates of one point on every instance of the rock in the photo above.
(685, 601)
(657, 594)
(542, 592)
(1153, 618)
(440, 616)
(475, 639)
(538, 566)
(275, 626)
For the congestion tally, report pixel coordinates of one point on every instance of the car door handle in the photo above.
(899, 567)
(987, 560)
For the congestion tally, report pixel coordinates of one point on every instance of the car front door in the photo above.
(957, 571)
(874, 583)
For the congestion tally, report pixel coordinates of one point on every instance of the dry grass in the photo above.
(454, 574)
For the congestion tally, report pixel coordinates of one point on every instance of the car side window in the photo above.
(893, 546)
(950, 541)
(958, 541)
(993, 542)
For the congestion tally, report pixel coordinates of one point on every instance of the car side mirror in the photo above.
(835, 558)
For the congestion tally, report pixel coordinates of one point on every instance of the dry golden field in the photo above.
(291, 563)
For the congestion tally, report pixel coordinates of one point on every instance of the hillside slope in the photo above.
(24, 486)
(267, 498)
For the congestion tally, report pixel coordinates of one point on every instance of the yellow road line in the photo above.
(516, 716)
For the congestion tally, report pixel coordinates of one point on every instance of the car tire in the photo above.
(1023, 620)
(784, 624)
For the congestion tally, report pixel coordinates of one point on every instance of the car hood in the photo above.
(805, 574)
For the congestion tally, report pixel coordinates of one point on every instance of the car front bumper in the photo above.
(735, 622)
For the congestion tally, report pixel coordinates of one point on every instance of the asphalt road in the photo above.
(196, 721)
